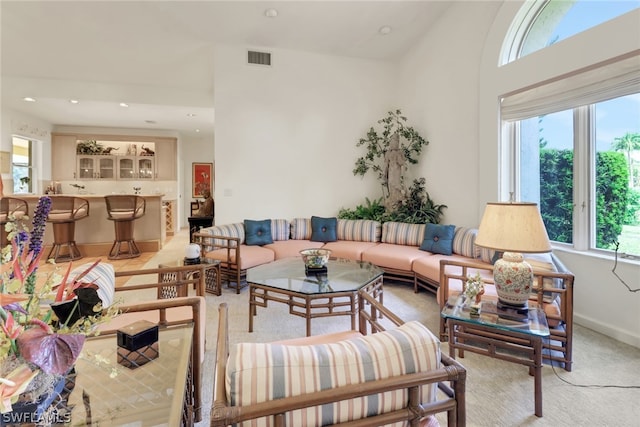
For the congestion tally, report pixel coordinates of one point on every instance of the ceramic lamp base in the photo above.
(513, 278)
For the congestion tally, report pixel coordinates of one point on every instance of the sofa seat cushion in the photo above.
(250, 256)
(264, 372)
(348, 249)
(291, 248)
(429, 267)
(397, 257)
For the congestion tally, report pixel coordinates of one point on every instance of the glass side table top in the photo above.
(534, 324)
(150, 395)
(288, 274)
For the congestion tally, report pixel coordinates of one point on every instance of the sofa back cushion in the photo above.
(402, 233)
(301, 229)
(280, 229)
(359, 230)
(228, 230)
(464, 242)
(259, 372)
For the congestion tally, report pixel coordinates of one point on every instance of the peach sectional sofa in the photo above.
(392, 246)
(417, 254)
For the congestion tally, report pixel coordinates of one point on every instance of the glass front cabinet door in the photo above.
(135, 167)
(145, 168)
(126, 167)
(96, 167)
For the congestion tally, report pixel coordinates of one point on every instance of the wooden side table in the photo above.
(212, 278)
(516, 341)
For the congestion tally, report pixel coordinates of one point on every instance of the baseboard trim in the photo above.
(616, 333)
(102, 249)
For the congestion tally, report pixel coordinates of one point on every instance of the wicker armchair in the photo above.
(448, 381)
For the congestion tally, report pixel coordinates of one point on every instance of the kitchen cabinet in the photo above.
(166, 155)
(113, 157)
(96, 167)
(135, 167)
(63, 157)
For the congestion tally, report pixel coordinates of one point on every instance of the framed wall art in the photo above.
(202, 178)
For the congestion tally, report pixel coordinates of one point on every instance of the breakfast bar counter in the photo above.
(95, 234)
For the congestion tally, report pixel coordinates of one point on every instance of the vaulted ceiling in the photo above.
(157, 56)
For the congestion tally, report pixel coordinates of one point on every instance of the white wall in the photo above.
(439, 87)
(450, 86)
(286, 135)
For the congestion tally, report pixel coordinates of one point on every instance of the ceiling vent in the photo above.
(259, 58)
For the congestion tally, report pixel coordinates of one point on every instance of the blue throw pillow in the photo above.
(257, 233)
(438, 239)
(324, 229)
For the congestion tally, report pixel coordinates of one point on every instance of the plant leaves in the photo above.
(53, 353)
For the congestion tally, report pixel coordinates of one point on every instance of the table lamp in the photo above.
(514, 228)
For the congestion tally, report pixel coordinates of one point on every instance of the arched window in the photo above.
(574, 142)
(541, 23)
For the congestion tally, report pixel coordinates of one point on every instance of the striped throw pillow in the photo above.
(259, 372)
(486, 254)
(228, 230)
(464, 242)
(301, 229)
(280, 229)
(402, 233)
(359, 230)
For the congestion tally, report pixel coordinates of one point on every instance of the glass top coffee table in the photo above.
(505, 336)
(333, 293)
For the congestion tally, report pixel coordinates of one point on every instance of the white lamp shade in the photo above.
(513, 227)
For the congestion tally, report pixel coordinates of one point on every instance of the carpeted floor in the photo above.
(499, 393)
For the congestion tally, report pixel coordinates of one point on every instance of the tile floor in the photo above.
(118, 264)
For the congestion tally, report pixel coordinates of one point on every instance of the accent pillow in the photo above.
(257, 233)
(324, 229)
(438, 239)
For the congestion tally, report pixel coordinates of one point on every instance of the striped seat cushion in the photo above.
(259, 372)
(359, 230)
(402, 233)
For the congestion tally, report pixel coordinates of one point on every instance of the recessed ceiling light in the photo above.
(271, 13)
(29, 99)
(385, 30)
(191, 115)
(124, 104)
(74, 101)
(197, 130)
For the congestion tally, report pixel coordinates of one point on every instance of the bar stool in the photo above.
(123, 210)
(65, 211)
(11, 209)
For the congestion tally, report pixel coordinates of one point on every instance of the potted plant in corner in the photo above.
(389, 153)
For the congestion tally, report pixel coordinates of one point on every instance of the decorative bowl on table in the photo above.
(315, 258)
